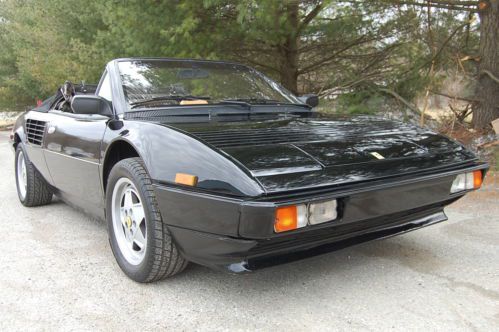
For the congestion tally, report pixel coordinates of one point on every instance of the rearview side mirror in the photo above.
(310, 99)
(91, 104)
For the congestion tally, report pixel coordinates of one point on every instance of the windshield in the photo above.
(156, 83)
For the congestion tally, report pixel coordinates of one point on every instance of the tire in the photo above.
(32, 189)
(140, 240)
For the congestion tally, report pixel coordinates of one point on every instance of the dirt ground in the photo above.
(58, 273)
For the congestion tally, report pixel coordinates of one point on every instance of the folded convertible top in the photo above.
(81, 89)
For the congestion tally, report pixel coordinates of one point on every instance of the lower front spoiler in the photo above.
(242, 255)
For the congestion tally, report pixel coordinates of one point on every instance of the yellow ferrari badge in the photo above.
(377, 155)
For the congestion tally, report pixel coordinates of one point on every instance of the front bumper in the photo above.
(237, 234)
(243, 255)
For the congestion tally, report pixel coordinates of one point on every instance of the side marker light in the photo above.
(186, 179)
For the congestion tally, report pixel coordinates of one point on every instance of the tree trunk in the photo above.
(289, 50)
(487, 90)
(289, 70)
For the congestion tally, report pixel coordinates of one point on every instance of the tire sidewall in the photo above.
(20, 149)
(141, 271)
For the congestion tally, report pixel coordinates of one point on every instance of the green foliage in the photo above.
(321, 46)
(360, 102)
(43, 47)
(360, 110)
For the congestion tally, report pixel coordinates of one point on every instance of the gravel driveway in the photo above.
(58, 273)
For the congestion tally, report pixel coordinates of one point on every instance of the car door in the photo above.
(73, 152)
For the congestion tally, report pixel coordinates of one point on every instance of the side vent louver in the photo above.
(34, 131)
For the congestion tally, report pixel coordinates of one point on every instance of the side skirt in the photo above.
(87, 208)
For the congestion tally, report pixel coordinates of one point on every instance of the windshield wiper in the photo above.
(167, 98)
(275, 102)
(236, 102)
(262, 101)
(247, 102)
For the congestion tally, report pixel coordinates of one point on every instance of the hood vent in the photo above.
(34, 131)
(281, 135)
(205, 116)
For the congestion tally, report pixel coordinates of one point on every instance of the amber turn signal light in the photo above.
(477, 179)
(186, 179)
(285, 219)
(288, 218)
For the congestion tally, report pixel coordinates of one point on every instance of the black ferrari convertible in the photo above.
(214, 163)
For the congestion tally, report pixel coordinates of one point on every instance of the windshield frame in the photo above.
(291, 98)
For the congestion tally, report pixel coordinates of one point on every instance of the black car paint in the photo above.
(249, 162)
(244, 255)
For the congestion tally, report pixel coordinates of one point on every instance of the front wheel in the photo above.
(139, 239)
(32, 188)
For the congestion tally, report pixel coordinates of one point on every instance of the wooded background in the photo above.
(351, 52)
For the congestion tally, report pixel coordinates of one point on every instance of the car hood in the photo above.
(297, 153)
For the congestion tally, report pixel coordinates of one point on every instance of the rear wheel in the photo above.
(32, 188)
(139, 239)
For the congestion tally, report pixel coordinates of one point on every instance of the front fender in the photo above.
(166, 152)
(18, 131)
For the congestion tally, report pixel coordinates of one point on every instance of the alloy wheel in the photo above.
(129, 221)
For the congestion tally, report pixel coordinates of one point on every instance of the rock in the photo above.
(495, 125)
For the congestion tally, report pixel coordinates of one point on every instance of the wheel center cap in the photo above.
(128, 222)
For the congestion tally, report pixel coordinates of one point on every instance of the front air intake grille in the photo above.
(34, 131)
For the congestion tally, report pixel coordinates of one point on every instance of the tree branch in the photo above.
(312, 66)
(411, 106)
(251, 61)
(469, 100)
(450, 4)
(489, 74)
(439, 51)
(309, 17)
